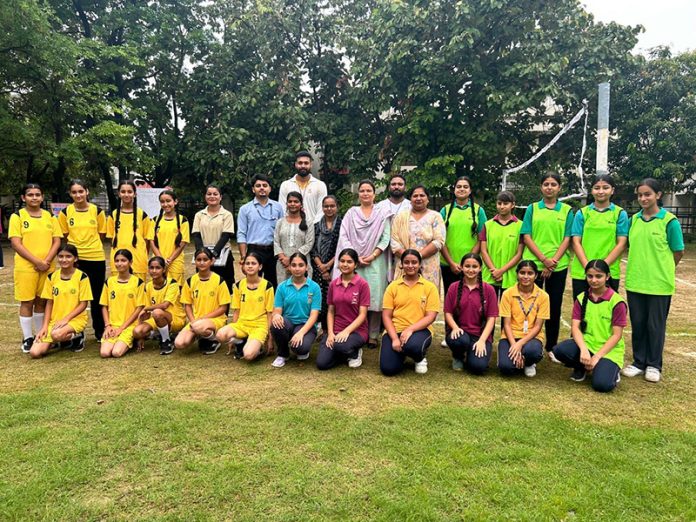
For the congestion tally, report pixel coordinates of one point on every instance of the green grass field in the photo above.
(188, 437)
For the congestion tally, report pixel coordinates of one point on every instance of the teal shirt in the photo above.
(298, 304)
(527, 221)
(621, 225)
(675, 237)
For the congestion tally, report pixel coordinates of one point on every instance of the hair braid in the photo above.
(177, 239)
(117, 225)
(303, 223)
(157, 225)
(483, 298)
(474, 225)
(583, 309)
(449, 212)
(135, 220)
(460, 288)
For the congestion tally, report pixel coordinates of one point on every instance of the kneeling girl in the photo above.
(164, 311)
(252, 305)
(597, 345)
(206, 298)
(410, 306)
(67, 292)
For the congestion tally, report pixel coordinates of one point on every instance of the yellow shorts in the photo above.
(126, 336)
(176, 326)
(218, 323)
(244, 330)
(77, 324)
(29, 285)
(178, 276)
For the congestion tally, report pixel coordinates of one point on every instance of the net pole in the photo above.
(603, 128)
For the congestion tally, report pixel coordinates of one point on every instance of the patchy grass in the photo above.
(192, 437)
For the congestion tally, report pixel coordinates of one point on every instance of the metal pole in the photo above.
(603, 129)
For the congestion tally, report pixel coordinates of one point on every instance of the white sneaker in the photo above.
(303, 357)
(443, 343)
(632, 371)
(530, 371)
(422, 367)
(279, 362)
(553, 359)
(357, 362)
(652, 374)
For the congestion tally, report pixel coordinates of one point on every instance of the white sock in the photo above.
(211, 337)
(164, 332)
(25, 323)
(38, 321)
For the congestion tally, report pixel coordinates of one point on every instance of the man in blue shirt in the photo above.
(256, 223)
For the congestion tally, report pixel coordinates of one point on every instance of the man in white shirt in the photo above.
(313, 190)
(397, 202)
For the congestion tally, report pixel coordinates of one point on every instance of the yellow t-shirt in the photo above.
(410, 303)
(83, 228)
(122, 299)
(253, 305)
(537, 306)
(170, 292)
(144, 232)
(37, 235)
(165, 231)
(67, 294)
(205, 295)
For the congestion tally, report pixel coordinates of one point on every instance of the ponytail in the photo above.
(135, 220)
(157, 224)
(583, 309)
(482, 297)
(303, 223)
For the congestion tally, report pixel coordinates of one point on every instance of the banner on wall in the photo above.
(56, 208)
(148, 200)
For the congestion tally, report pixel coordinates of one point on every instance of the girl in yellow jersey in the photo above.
(122, 300)
(163, 311)
(67, 292)
(129, 227)
(84, 225)
(206, 299)
(171, 235)
(35, 237)
(252, 307)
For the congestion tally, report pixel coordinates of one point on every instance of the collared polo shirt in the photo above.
(469, 317)
(536, 306)
(212, 227)
(410, 303)
(347, 301)
(256, 222)
(296, 303)
(618, 315)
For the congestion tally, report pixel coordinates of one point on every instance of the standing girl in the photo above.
(464, 220)
(411, 304)
(67, 292)
(129, 227)
(600, 231)
(35, 237)
(546, 231)
(656, 247)
(206, 299)
(291, 235)
(471, 307)
(349, 299)
(297, 306)
(523, 309)
(501, 244)
(252, 305)
(84, 225)
(122, 300)
(163, 310)
(323, 253)
(597, 345)
(171, 235)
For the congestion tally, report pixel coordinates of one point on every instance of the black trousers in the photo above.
(391, 362)
(268, 262)
(327, 357)
(463, 349)
(226, 272)
(554, 286)
(282, 337)
(649, 326)
(448, 277)
(605, 374)
(532, 353)
(580, 286)
(96, 271)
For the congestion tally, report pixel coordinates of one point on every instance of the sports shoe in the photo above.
(26, 344)
(652, 374)
(443, 343)
(279, 362)
(552, 358)
(166, 347)
(632, 371)
(530, 371)
(209, 347)
(238, 345)
(303, 357)
(357, 362)
(457, 365)
(578, 375)
(78, 343)
(422, 367)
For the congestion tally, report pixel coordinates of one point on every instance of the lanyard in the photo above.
(525, 325)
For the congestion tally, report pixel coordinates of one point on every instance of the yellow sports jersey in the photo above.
(83, 228)
(66, 294)
(170, 292)
(165, 230)
(253, 305)
(37, 235)
(205, 296)
(144, 232)
(122, 299)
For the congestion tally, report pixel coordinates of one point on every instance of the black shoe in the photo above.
(166, 347)
(578, 375)
(78, 343)
(239, 351)
(26, 344)
(208, 347)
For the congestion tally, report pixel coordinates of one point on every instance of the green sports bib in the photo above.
(650, 268)
(548, 232)
(502, 242)
(459, 239)
(599, 328)
(598, 239)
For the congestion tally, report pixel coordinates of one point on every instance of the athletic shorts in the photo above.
(218, 323)
(78, 325)
(176, 326)
(126, 336)
(256, 331)
(177, 276)
(28, 285)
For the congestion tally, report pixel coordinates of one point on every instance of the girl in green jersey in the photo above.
(656, 245)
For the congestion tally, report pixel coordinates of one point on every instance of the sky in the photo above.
(666, 22)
